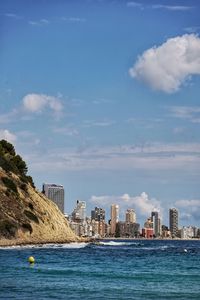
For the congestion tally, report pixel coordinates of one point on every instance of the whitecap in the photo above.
(74, 245)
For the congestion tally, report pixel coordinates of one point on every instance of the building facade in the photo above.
(173, 222)
(114, 216)
(98, 214)
(127, 230)
(130, 216)
(156, 223)
(55, 192)
(79, 212)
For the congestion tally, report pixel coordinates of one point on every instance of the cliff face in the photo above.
(26, 215)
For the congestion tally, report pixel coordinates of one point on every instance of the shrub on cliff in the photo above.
(12, 162)
(11, 186)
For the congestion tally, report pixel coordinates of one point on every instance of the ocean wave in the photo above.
(116, 244)
(46, 246)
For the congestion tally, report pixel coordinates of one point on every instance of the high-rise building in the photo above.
(55, 192)
(98, 221)
(156, 223)
(130, 216)
(173, 221)
(114, 213)
(130, 230)
(79, 212)
(98, 214)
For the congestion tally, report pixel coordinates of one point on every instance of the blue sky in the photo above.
(103, 97)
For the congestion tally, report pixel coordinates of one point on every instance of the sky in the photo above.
(103, 98)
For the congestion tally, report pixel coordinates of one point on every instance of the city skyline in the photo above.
(96, 225)
(103, 98)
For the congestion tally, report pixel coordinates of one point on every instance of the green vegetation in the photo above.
(7, 228)
(12, 162)
(9, 183)
(6, 147)
(31, 216)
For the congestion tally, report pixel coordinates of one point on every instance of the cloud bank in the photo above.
(190, 113)
(155, 157)
(172, 7)
(189, 209)
(142, 204)
(169, 66)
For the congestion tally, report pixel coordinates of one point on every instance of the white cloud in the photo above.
(189, 209)
(172, 7)
(9, 117)
(135, 4)
(7, 135)
(44, 21)
(187, 203)
(190, 113)
(155, 157)
(142, 204)
(38, 102)
(35, 102)
(69, 131)
(167, 67)
(192, 29)
(14, 16)
(102, 123)
(77, 19)
(40, 22)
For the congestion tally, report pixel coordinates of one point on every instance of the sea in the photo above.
(108, 269)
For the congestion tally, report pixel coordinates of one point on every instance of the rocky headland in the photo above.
(26, 215)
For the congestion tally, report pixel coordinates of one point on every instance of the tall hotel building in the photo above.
(79, 212)
(55, 192)
(173, 221)
(114, 213)
(98, 214)
(156, 223)
(130, 216)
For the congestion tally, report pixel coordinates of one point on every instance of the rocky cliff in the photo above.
(26, 215)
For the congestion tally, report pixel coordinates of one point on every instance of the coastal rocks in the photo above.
(26, 215)
(29, 217)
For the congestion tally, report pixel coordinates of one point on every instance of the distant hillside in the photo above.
(26, 215)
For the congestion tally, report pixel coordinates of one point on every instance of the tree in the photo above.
(11, 162)
(20, 164)
(7, 147)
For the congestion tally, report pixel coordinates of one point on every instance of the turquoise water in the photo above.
(109, 270)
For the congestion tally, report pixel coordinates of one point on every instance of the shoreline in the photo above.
(21, 242)
(146, 239)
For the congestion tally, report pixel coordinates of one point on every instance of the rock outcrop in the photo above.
(26, 215)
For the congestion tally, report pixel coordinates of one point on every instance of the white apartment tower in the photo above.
(79, 212)
(55, 192)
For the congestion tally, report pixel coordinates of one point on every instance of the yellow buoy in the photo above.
(31, 259)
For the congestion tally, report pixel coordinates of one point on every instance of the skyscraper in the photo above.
(173, 221)
(55, 192)
(98, 214)
(130, 216)
(114, 213)
(79, 212)
(155, 220)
